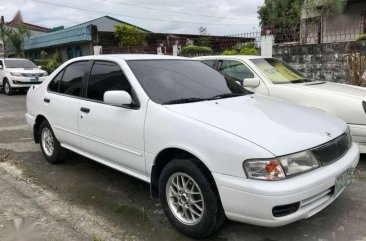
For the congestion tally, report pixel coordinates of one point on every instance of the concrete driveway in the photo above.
(83, 200)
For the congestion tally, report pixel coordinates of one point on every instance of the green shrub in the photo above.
(194, 50)
(248, 52)
(49, 64)
(230, 52)
(242, 49)
(362, 37)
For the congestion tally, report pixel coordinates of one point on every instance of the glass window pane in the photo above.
(210, 63)
(167, 80)
(55, 83)
(72, 79)
(106, 76)
(236, 70)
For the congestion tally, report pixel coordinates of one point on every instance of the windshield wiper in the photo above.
(184, 100)
(228, 95)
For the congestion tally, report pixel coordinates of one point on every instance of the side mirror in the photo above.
(39, 67)
(117, 98)
(251, 82)
(1, 67)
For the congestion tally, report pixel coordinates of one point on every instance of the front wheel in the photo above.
(190, 199)
(51, 148)
(7, 88)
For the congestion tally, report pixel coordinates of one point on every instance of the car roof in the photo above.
(244, 57)
(13, 59)
(131, 57)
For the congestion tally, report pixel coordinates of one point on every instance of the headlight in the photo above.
(15, 74)
(281, 167)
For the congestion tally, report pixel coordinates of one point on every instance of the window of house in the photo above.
(73, 52)
(72, 79)
(106, 76)
(363, 22)
(235, 69)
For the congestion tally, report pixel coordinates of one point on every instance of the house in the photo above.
(75, 41)
(344, 25)
(17, 21)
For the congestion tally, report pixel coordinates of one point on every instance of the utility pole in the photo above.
(2, 24)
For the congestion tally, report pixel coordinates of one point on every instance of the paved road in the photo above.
(83, 200)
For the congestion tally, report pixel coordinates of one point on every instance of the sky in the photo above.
(220, 17)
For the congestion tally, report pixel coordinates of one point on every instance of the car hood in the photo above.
(275, 125)
(335, 88)
(26, 70)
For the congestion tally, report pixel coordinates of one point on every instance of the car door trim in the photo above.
(108, 163)
(116, 146)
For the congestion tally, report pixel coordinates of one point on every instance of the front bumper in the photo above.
(25, 82)
(359, 136)
(251, 201)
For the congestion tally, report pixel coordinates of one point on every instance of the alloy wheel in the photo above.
(185, 198)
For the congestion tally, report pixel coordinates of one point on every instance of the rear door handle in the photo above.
(85, 110)
(46, 100)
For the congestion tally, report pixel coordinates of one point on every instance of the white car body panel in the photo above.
(343, 101)
(222, 134)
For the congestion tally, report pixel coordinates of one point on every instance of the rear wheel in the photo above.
(7, 88)
(190, 199)
(51, 148)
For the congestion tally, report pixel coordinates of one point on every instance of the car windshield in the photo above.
(279, 72)
(183, 81)
(19, 63)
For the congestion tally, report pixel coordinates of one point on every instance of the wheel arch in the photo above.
(39, 119)
(167, 155)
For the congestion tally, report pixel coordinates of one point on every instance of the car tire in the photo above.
(7, 88)
(181, 201)
(50, 146)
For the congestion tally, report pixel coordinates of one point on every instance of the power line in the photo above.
(172, 11)
(144, 18)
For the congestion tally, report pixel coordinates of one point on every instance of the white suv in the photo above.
(209, 148)
(18, 74)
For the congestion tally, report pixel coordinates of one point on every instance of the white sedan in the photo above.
(275, 78)
(209, 148)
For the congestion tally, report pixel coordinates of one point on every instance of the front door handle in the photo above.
(46, 100)
(85, 110)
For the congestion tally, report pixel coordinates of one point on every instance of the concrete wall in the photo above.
(327, 61)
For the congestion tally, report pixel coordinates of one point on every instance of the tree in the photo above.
(204, 39)
(323, 8)
(280, 14)
(15, 36)
(128, 36)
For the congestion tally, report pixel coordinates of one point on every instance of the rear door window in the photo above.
(72, 79)
(55, 83)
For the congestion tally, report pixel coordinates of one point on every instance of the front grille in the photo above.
(332, 151)
(32, 74)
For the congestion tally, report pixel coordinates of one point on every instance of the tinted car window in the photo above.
(106, 76)
(55, 83)
(210, 63)
(169, 80)
(235, 70)
(72, 78)
(20, 63)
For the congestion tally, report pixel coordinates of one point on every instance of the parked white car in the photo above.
(275, 78)
(19, 74)
(209, 148)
